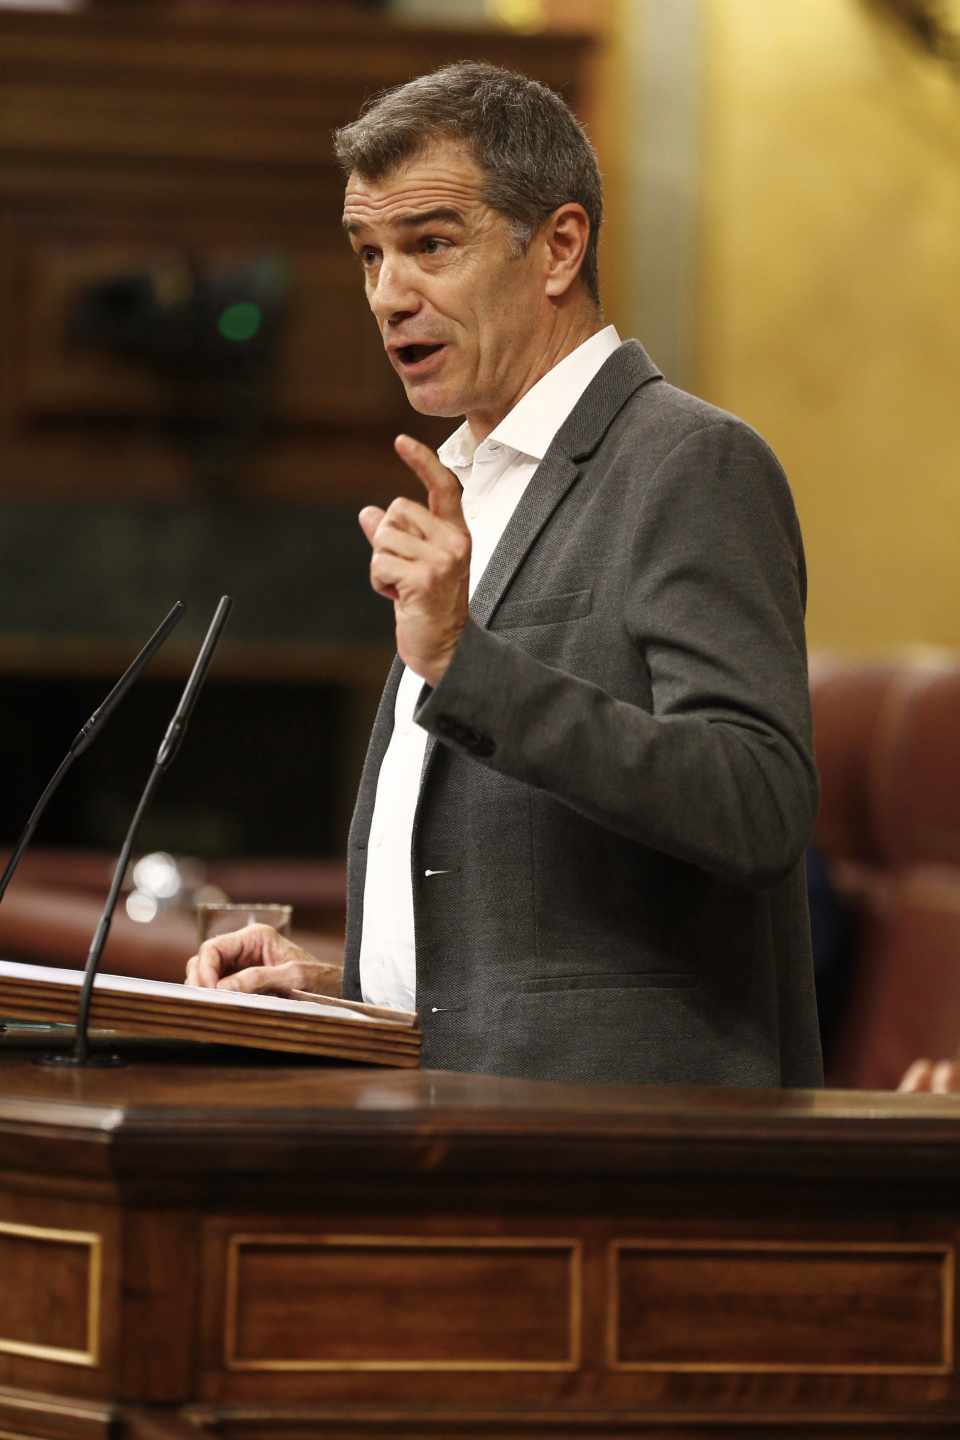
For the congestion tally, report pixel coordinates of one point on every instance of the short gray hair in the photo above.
(534, 154)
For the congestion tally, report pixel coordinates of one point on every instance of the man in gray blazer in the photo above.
(578, 838)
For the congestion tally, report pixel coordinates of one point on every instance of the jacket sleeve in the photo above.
(718, 769)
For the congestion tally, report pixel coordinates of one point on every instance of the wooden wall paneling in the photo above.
(135, 137)
(332, 368)
(138, 137)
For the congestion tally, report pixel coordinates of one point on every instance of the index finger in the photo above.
(441, 485)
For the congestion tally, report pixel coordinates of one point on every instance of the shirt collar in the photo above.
(531, 425)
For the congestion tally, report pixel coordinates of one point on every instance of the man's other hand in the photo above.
(259, 959)
(421, 561)
(923, 1076)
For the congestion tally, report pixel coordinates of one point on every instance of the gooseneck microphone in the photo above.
(88, 734)
(169, 746)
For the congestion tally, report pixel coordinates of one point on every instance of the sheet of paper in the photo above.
(165, 990)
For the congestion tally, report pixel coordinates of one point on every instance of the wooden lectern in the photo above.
(193, 1246)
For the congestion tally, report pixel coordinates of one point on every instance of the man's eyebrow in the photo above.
(410, 222)
(426, 217)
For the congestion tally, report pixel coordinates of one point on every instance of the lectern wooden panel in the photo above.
(773, 1306)
(401, 1302)
(261, 1250)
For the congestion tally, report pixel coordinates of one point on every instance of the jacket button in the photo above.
(471, 740)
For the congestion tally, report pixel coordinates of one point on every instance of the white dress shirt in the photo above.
(494, 475)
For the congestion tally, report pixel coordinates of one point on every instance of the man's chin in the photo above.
(432, 402)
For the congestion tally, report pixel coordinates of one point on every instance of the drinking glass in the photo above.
(216, 917)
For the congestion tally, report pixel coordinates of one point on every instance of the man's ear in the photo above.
(565, 236)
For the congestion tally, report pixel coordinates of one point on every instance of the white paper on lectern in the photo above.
(166, 990)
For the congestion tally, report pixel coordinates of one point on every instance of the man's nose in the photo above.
(393, 297)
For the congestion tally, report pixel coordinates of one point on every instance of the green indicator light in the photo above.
(241, 321)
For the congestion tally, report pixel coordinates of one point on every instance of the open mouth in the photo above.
(414, 354)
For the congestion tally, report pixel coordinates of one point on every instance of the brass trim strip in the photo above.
(57, 1354)
(946, 1252)
(572, 1247)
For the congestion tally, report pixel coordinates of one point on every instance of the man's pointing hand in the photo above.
(421, 561)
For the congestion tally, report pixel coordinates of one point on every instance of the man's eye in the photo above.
(432, 244)
(368, 256)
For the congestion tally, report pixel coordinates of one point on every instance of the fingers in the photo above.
(925, 1077)
(386, 574)
(946, 1077)
(370, 517)
(408, 530)
(224, 955)
(421, 561)
(259, 960)
(441, 485)
(280, 966)
(265, 979)
(392, 532)
(300, 973)
(917, 1078)
(413, 550)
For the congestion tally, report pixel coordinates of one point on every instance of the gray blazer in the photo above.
(618, 786)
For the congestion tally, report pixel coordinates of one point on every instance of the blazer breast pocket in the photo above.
(544, 610)
(630, 980)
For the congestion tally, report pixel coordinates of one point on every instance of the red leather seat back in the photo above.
(917, 770)
(848, 705)
(888, 748)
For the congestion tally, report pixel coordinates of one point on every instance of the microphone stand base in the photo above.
(98, 1058)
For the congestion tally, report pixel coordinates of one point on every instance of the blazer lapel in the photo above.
(380, 734)
(623, 373)
(550, 482)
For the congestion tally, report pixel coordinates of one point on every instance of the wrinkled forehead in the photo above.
(444, 176)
